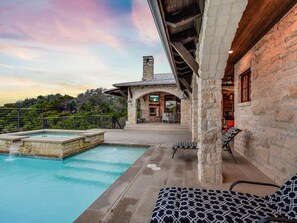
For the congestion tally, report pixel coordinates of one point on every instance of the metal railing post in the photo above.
(42, 119)
(113, 122)
(19, 119)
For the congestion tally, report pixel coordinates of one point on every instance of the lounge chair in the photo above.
(227, 138)
(188, 205)
(183, 145)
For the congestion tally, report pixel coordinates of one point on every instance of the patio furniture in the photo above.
(140, 120)
(167, 117)
(228, 136)
(183, 145)
(188, 205)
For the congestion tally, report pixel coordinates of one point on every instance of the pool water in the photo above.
(50, 134)
(52, 191)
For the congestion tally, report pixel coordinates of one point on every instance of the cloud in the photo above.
(142, 20)
(7, 66)
(65, 23)
(19, 53)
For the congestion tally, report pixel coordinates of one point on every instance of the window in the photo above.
(245, 88)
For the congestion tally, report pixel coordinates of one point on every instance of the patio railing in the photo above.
(23, 119)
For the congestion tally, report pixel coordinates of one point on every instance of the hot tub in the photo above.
(50, 143)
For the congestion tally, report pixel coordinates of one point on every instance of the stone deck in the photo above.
(132, 198)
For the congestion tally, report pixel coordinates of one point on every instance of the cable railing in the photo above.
(24, 119)
(83, 122)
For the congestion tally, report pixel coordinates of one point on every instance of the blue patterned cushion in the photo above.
(196, 205)
(167, 206)
(221, 206)
(285, 199)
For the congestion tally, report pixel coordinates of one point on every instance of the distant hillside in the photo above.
(92, 101)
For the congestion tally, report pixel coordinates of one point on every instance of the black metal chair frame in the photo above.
(264, 220)
(227, 138)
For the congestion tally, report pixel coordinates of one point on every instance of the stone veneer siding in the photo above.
(269, 120)
(209, 131)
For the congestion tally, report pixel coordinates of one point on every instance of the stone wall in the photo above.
(269, 120)
(194, 106)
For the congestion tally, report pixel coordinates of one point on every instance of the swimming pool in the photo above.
(51, 191)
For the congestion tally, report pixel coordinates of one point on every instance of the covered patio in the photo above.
(238, 61)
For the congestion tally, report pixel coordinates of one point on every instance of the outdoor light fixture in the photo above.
(230, 51)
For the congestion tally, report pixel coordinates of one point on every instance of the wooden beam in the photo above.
(184, 36)
(180, 67)
(183, 16)
(186, 84)
(185, 72)
(130, 92)
(188, 58)
(123, 94)
(178, 61)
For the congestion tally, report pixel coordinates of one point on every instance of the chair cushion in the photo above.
(285, 199)
(229, 135)
(185, 145)
(167, 206)
(198, 205)
(222, 206)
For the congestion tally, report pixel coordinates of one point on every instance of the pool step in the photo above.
(96, 161)
(85, 176)
(95, 167)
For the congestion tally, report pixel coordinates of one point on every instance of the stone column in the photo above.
(132, 112)
(185, 118)
(209, 131)
(194, 105)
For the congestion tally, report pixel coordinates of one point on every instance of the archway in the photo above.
(139, 97)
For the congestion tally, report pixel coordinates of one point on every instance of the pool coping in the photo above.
(105, 203)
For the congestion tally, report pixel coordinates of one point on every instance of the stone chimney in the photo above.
(148, 68)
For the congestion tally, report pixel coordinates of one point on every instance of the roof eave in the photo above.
(155, 10)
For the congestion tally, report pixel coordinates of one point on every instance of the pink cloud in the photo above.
(142, 20)
(20, 53)
(64, 22)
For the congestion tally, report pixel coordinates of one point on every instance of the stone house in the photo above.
(156, 98)
(244, 51)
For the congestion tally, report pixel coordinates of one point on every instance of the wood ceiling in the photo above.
(258, 18)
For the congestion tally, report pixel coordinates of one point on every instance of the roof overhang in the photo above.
(178, 26)
(178, 23)
(146, 83)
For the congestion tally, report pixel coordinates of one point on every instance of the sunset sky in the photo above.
(68, 46)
